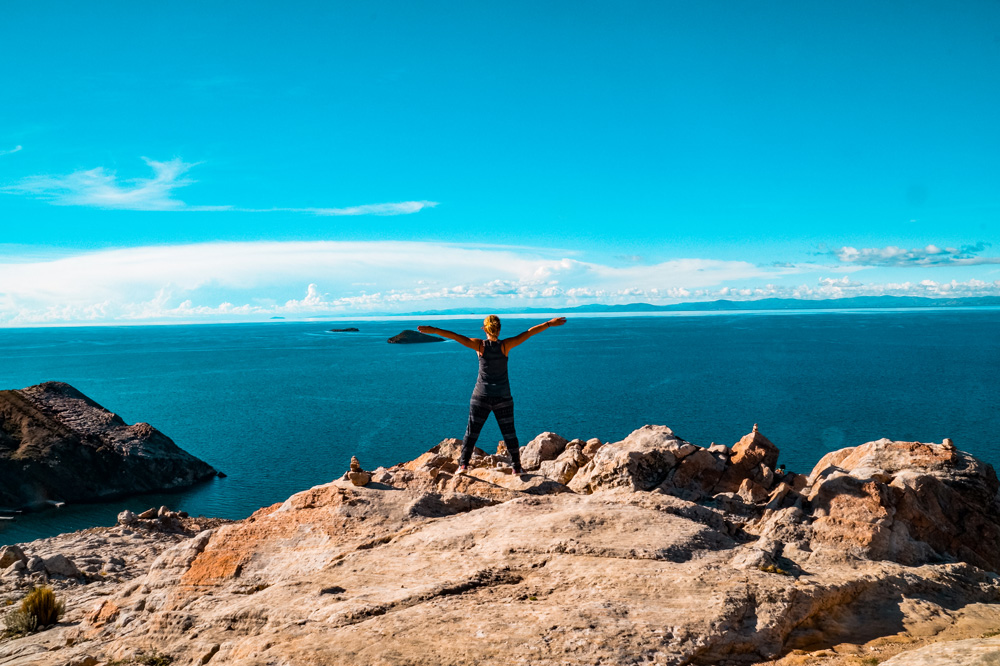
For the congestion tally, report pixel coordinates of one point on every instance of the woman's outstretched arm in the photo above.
(472, 343)
(510, 343)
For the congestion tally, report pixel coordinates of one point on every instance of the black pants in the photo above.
(479, 410)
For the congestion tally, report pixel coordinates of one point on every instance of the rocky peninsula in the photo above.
(58, 445)
(650, 550)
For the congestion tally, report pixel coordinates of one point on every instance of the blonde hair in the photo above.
(492, 325)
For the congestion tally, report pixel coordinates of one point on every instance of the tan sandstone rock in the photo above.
(11, 554)
(908, 502)
(591, 447)
(641, 461)
(748, 454)
(563, 468)
(433, 567)
(969, 652)
(699, 472)
(546, 446)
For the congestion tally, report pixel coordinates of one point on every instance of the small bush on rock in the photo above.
(39, 608)
(19, 623)
(42, 603)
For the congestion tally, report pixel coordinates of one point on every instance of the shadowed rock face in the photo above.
(908, 502)
(56, 444)
(642, 564)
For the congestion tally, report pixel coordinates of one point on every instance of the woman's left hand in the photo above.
(558, 321)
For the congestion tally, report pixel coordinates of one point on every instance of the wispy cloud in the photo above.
(101, 188)
(932, 255)
(399, 208)
(15, 149)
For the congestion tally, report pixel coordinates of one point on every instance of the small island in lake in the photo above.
(350, 329)
(408, 337)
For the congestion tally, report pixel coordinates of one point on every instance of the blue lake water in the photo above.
(282, 406)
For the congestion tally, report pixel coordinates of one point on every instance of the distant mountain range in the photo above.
(852, 303)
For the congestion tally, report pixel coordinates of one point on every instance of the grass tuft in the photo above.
(39, 608)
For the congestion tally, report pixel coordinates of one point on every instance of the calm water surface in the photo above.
(281, 407)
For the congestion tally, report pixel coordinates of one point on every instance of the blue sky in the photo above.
(223, 161)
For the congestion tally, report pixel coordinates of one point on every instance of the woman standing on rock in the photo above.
(492, 391)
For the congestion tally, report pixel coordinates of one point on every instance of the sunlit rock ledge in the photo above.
(651, 550)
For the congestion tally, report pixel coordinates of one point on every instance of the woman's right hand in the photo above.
(425, 329)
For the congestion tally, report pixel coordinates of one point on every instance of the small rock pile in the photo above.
(162, 519)
(356, 475)
(15, 565)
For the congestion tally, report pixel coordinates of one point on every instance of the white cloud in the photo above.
(13, 150)
(206, 279)
(240, 281)
(400, 208)
(932, 255)
(100, 188)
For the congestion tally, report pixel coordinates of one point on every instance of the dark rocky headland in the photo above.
(58, 445)
(651, 550)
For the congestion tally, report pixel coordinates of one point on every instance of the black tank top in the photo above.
(492, 379)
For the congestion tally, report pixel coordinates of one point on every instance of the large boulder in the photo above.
(546, 446)
(446, 451)
(641, 461)
(11, 554)
(60, 565)
(563, 468)
(699, 472)
(908, 502)
(749, 459)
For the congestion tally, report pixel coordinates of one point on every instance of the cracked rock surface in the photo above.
(661, 552)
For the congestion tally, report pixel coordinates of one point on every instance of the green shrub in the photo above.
(42, 603)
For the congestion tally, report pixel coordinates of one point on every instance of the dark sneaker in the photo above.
(518, 471)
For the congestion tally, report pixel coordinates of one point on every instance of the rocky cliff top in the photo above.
(649, 550)
(58, 445)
